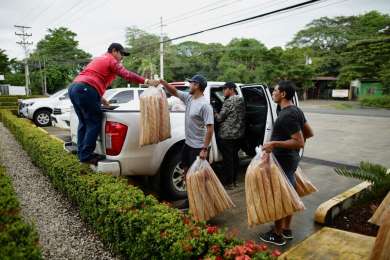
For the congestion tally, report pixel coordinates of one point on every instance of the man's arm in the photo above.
(221, 116)
(171, 89)
(207, 141)
(307, 131)
(296, 142)
(129, 76)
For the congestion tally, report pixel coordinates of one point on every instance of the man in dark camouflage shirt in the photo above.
(231, 121)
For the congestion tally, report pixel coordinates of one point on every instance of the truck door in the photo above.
(259, 118)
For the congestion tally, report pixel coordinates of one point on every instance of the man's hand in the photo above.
(203, 154)
(152, 82)
(104, 102)
(171, 89)
(268, 147)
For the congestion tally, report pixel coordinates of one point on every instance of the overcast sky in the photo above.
(100, 22)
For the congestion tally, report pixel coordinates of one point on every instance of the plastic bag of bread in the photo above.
(155, 123)
(381, 251)
(269, 194)
(304, 186)
(376, 218)
(206, 195)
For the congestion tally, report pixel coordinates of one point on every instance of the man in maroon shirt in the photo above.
(86, 93)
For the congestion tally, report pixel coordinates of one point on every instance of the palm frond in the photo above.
(358, 174)
(374, 168)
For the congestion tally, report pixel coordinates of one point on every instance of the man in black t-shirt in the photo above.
(288, 137)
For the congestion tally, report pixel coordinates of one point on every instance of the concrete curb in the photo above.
(328, 210)
(331, 243)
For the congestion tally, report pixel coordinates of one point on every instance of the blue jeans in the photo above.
(87, 105)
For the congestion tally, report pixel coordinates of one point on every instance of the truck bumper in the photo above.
(108, 166)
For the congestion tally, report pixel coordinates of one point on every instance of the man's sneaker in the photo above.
(183, 206)
(272, 237)
(92, 161)
(287, 234)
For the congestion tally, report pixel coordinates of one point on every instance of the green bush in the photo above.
(375, 101)
(18, 240)
(4, 104)
(135, 225)
(8, 99)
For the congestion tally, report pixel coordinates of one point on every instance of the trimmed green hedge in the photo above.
(135, 225)
(4, 104)
(18, 240)
(375, 101)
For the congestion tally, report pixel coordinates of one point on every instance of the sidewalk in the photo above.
(303, 224)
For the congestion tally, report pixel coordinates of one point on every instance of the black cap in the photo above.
(119, 48)
(199, 79)
(229, 85)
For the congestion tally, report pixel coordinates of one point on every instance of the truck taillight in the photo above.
(115, 137)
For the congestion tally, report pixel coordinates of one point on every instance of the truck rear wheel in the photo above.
(172, 177)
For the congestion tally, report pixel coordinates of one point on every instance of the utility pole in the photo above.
(161, 49)
(44, 77)
(25, 43)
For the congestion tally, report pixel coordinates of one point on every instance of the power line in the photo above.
(66, 11)
(245, 20)
(213, 9)
(303, 12)
(184, 14)
(252, 9)
(284, 9)
(36, 17)
(263, 5)
(76, 16)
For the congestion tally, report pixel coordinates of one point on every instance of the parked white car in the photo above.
(39, 109)
(119, 139)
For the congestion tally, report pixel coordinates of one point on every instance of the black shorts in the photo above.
(289, 166)
(188, 155)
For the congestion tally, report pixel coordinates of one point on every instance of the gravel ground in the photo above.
(62, 233)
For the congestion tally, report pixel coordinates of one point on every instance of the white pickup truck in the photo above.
(120, 133)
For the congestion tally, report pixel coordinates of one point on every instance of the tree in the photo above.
(240, 54)
(326, 33)
(63, 60)
(329, 38)
(4, 62)
(366, 59)
(190, 57)
(12, 69)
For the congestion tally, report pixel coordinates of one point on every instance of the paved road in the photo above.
(342, 108)
(349, 139)
(353, 112)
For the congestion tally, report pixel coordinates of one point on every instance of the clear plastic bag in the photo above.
(380, 250)
(377, 217)
(269, 194)
(155, 123)
(206, 195)
(304, 186)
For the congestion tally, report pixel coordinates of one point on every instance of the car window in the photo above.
(254, 96)
(122, 97)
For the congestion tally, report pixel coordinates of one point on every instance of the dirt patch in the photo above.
(355, 219)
